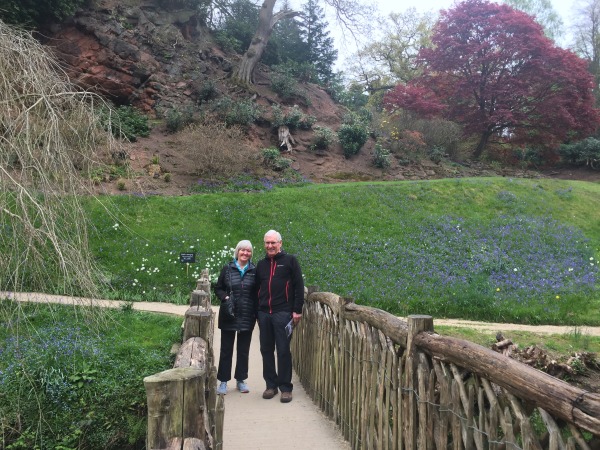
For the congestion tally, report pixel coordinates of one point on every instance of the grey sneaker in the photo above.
(222, 389)
(242, 387)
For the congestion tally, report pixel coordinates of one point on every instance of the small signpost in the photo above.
(187, 259)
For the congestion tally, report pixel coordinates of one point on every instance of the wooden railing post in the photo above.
(184, 411)
(175, 398)
(416, 324)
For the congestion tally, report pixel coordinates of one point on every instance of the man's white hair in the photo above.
(273, 233)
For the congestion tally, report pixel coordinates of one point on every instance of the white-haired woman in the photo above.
(237, 279)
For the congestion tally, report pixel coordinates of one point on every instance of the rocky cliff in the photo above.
(138, 53)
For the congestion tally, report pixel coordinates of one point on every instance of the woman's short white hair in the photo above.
(242, 244)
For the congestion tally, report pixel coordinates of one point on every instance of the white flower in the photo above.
(515, 269)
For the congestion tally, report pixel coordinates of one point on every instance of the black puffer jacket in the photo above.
(245, 293)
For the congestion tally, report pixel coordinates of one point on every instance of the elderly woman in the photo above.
(237, 279)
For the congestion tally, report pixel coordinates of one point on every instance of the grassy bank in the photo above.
(495, 249)
(71, 377)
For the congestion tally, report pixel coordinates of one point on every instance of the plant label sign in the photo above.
(187, 258)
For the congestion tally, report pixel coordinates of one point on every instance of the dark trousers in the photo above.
(274, 337)
(226, 355)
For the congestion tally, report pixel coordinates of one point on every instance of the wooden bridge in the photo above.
(365, 379)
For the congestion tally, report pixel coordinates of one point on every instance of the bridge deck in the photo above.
(254, 423)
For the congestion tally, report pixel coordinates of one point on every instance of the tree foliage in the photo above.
(348, 13)
(393, 57)
(543, 13)
(33, 13)
(492, 70)
(587, 38)
(320, 51)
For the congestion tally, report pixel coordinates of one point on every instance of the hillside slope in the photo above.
(160, 59)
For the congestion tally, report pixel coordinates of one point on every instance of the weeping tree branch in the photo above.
(50, 138)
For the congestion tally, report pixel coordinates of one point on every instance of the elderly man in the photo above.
(280, 301)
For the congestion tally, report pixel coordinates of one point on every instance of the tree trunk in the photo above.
(245, 72)
(266, 22)
(483, 140)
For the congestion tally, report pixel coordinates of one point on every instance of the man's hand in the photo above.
(296, 318)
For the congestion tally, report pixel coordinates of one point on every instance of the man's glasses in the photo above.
(271, 242)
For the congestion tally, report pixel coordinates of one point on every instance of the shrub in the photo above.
(272, 158)
(352, 137)
(324, 137)
(284, 85)
(292, 118)
(176, 119)
(436, 154)
(207, 90)
(381, 157)
(236, 112)
(270, 154)
(216, 150)
(125, 122)
(585, 152)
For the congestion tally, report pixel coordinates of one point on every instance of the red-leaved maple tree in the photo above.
(492, 70)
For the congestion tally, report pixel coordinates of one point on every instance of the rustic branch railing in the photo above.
(391, 384)
(184, 410)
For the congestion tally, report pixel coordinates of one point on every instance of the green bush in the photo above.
(324, 138)
(207, 91)
(381, 157)
(125, 122)
(352, 137)
(176, 120)
(284, 85)
(236, 112)
(585, 152)
(436, 154)
(293, 118)
(272, 158)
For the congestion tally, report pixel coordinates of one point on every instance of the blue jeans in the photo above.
(274, 337)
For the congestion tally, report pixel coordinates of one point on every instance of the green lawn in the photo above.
(496, 249)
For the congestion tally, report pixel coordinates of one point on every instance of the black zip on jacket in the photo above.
(280, 283)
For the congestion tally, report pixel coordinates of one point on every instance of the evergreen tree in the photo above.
(235, 25)
(286, 41)
(319, 45)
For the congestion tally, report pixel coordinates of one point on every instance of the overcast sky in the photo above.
(564, 8)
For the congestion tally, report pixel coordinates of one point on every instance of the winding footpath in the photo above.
(256, 424)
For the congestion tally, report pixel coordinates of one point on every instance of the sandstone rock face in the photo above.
(138, 54)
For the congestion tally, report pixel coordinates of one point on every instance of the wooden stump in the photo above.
(175, 406)
(200, 298)
(198, 323)
(192, 354)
